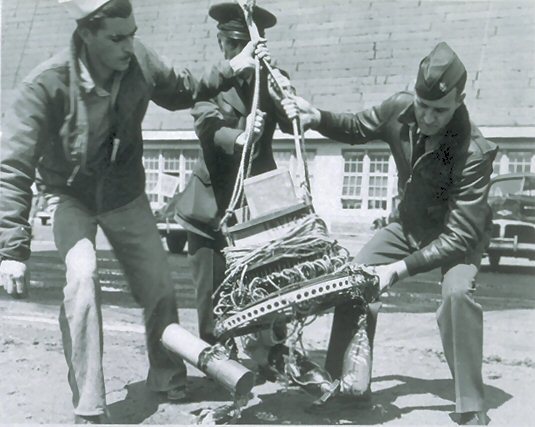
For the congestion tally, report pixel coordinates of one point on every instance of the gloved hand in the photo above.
(14, 277)
(295, 106)
(245, 59)
(257, 129)
(390, 274)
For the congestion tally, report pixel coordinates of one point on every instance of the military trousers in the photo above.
(459, 316)
(132, 233)
(207, 264)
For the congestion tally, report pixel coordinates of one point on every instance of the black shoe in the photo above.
(474, 418)
(89, 419)
(177, 394)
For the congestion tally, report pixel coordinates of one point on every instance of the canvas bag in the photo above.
(197, 203)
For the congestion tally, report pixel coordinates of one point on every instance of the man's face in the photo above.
(433, 116)
(230, 47)
(111, 47)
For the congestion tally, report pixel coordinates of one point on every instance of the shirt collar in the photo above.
(87, 82)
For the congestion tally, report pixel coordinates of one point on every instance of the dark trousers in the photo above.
(207, 265)
(460, 318)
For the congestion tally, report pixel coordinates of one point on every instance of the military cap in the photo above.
(231, 22)
(80, 9)
(439, 73)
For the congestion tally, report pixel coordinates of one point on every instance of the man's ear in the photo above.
(460, 98)
(220, 43)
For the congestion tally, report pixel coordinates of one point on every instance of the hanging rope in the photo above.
(248, 148)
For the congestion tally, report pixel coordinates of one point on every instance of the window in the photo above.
(175, 162)
(150, 163)
(496, 165)
(519, 161)
(378, 181)
(353, 177)
(369, 180)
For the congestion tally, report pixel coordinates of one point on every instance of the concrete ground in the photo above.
(411, 381)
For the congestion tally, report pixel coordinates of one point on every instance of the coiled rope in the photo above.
(307, 239)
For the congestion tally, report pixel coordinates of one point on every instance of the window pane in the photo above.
(352, 180)
(378, 181)
(519, 161)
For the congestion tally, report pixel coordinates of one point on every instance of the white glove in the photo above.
(295, 106)
(245, 59)
(257, 129)
(14, 277)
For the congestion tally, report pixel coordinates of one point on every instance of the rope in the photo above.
(306, 240)
(248, 147)
(237, 197)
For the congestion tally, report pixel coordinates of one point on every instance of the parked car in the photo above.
(512, 199)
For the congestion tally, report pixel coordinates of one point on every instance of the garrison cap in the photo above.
(80, 9)
(231, 22)
(439, 73)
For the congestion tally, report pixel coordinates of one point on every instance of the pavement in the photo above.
(411, 381)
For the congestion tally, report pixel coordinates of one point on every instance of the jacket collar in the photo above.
(236, 96)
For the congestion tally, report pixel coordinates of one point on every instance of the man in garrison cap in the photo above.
(443, 218)
(77, 120)
(220, 126)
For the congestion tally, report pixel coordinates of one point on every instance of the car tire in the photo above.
(494, 261)
(176, 242)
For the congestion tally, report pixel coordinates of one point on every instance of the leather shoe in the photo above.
(177, 394)
(474, 419)
(88, 419)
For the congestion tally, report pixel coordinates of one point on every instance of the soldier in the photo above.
(220, 126)
(443, 219)
(77, 119)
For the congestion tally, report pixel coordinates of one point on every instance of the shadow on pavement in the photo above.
(140, 403)
(509, 269)
(385, 405)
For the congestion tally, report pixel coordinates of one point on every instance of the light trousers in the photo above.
(132, 233)
(459, 317)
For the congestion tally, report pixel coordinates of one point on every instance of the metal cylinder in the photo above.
(232, 375)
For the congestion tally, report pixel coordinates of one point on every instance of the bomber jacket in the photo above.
(219, 122)
(46, 129)
(443, 196)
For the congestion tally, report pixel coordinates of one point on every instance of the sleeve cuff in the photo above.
(326, 121)
(416, 263)
(226, 138)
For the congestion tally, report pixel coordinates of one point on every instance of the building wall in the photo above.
(351, 185)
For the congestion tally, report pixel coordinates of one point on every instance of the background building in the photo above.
(343, 55)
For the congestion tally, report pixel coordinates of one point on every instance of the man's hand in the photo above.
(390, 274)
(14, 277)
(257, 127)
(295, 106)
(245, 59)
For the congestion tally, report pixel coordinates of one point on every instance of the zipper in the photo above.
(73, 175)
(413, 167)
(115, 149)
